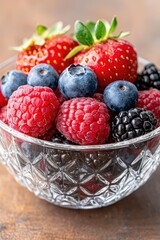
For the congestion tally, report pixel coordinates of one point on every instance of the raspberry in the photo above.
(32, 110)
(49, 134)
(60, 97)
(98, 97)
(3, 114)
(84, 121)
(150, 100)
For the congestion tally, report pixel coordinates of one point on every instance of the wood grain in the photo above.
(24, 216)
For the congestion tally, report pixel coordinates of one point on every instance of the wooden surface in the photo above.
(22, 215)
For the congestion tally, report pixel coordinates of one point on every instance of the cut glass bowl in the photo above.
(81, 177)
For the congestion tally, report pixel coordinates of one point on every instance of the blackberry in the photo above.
(132, 123)
(148, 78)
(60, 138)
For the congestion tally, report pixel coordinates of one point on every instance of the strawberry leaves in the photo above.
(83, 34)
(42, 35)
(113, 26)
(91, 33)
(100, 30)
(40, 29)
(94, 32)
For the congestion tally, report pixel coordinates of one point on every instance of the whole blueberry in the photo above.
(43, 75)
(11, 81)
(77, 81)
(120, 95)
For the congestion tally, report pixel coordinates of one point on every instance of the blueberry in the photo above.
(30, 151)
(120, 95)
(43, 75)
(77, 81)
(11, 81)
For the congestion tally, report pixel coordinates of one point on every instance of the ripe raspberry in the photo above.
(60, 97)
(84, 121)
(98, 97)
(32, 110)
(3, 114)
(49, 134)
(150, 100)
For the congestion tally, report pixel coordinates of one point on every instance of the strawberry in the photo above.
(47, 46)
(111, 57)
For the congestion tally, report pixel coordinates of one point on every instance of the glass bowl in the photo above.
(81, 177)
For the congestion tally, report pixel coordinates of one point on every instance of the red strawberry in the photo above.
(47, 46)
(110, 57)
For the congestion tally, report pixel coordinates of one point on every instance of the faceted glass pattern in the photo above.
(79, 177)
(86, 178)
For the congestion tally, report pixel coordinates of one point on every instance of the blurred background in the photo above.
(18, 19)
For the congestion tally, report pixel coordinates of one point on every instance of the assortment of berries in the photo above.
(46, 46)
(111, 57)
(83, 89)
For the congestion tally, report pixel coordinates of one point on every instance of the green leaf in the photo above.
(121, 35)
(107, 25)
(64, 30)
(91, 26)
(100, 30)
(40, 29)
(27, 43)
(18, 48)
(55, 28)
(124, 34)
(83, 34)
(113, 26)
(74, 51)
(38, 40)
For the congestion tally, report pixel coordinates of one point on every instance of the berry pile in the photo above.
(83, 89)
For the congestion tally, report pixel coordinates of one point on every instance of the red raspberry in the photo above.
(32, 110)
(150, 100)
(3, 114)
(3, 100)
(84, 121)
(49, 134)
(60, 97)
(98, 97)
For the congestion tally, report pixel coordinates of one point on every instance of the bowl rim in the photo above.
(106, 146)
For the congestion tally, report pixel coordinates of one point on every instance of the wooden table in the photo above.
(22, 215)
